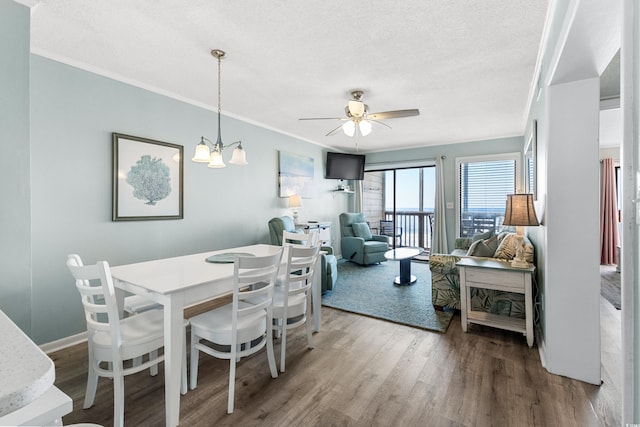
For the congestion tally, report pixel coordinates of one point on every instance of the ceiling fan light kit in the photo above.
(355, 107)
(352, 126)
(214, 158)
(358, 119)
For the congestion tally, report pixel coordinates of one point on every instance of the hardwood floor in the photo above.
(368, 372)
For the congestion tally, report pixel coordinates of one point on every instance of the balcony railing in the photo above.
(416, 228)
(412, 228)
(479, 222)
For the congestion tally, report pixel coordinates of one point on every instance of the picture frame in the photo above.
(295, 175)
(147, 179)
(530, 161)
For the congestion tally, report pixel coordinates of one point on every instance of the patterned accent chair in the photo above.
(357, 242)
(328, 261)
(445, 279)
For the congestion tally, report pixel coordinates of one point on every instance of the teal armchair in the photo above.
(328, 261)
(357, 243)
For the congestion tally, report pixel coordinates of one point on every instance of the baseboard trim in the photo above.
(541, 346)
(63, 343)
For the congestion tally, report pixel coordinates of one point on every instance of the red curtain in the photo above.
(608, 214)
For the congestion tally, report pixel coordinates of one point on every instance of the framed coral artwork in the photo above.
(147, 179)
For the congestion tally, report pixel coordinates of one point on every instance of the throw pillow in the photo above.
(361, 229)
(502, 235)
(482, 236)
(492, 243)
(507, 248)
(484, 248)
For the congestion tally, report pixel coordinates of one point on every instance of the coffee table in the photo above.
(403, 255)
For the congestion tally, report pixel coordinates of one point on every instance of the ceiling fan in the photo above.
(358, 118)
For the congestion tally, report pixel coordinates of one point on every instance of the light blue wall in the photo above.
(15, 287)
(451, 152)
(73, 114)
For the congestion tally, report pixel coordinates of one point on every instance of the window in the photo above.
(482, 187)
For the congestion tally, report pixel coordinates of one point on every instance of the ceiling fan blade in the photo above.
(334, 131)
(380, 123)
(393, 114)
(325, 118)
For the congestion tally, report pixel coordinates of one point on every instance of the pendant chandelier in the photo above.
(214, 158)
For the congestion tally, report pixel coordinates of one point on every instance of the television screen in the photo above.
(344, 166)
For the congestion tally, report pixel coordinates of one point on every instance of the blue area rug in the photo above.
(369, 290)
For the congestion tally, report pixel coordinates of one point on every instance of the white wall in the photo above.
(582, 38)
(610, 152)
(571, 224)
(630, 61)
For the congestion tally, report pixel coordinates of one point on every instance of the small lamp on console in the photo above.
(295, 203)
(520, 213)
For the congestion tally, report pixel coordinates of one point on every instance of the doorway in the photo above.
(400, 203)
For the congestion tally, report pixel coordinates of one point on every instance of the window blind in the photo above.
(484, 185)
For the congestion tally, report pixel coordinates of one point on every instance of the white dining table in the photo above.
(183, 281)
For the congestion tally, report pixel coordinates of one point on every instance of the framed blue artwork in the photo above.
(295, 177)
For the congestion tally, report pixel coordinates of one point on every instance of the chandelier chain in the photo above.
(219, 62)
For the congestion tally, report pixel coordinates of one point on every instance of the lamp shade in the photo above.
(520, 211)
(349, 128)
(356, 108)
(295, 202)
(365, 127)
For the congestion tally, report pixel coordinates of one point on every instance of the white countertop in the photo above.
(26, 372)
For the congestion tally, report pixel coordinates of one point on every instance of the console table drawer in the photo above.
(495, 277)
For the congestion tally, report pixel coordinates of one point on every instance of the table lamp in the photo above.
(520, 213)
(295, 203)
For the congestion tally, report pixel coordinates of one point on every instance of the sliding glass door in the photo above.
(399, 203)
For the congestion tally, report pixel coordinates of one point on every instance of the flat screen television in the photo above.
(344, 166)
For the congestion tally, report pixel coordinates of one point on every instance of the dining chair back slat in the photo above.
(304, 239)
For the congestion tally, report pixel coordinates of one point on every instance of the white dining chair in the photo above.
(242, 327)
(305, 239)
(292, 300)
(112, 341)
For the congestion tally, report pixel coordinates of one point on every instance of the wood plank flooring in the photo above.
(368, 372)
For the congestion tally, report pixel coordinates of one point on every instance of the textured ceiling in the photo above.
(467, 65)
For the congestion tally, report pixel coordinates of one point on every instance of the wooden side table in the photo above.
(500, 276)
